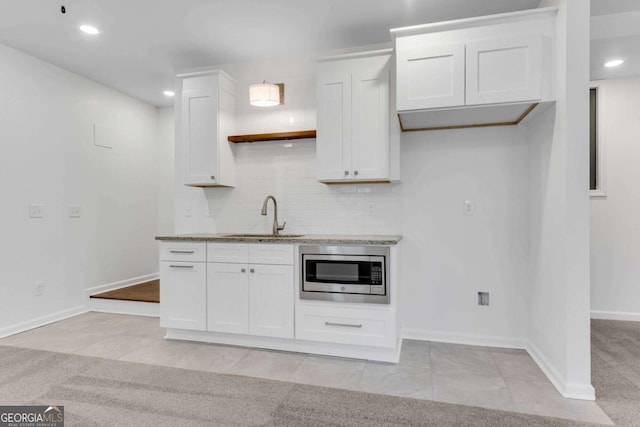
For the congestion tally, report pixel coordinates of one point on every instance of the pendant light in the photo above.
(266, 94)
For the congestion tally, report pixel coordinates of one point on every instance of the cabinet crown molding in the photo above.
(474, 22)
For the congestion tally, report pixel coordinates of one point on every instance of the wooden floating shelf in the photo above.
(303, 134)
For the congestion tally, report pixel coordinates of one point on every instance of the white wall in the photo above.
(46, 122)
(448, 257)
(559, 327)
(615, 235)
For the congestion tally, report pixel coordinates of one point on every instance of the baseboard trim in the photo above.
(615, 315)
(467, 339)
(132, 308)
(567, 390)
(118, 285)
(41, 321)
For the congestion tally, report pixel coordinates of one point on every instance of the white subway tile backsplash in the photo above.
(308, 206)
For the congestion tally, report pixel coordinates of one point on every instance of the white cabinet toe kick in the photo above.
(378, 354)
(248, 294)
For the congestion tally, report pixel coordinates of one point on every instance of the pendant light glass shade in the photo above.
(264, 95)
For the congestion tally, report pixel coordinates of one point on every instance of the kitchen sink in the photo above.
(265, 236)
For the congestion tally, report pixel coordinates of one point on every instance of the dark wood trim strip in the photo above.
(303, 134)
(526, 112)
(382, 181)
(475, 125)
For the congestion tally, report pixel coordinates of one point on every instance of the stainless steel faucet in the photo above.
(276, 227)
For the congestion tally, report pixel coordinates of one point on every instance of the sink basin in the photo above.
(264, 236)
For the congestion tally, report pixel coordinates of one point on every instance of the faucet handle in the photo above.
(281, 227)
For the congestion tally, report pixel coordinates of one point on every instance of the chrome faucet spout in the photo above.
(276, 227)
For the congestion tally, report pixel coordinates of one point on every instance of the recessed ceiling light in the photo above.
(169, 93)
(613, 63)
(89, 29)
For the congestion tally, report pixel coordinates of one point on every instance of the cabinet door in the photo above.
(429, 76)
(227, 298)
(333, 140)
(183, 295)
(370, 119)
(199, 122)
(504, 70)
(271, 300)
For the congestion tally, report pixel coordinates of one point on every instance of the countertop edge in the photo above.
(336, 240)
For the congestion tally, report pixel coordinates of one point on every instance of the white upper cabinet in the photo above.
(484, 71)
(430, 76)
(504, 70)
(205, 118)
(353, 118)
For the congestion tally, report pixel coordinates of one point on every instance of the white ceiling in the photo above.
(615, 33)
(145, 41)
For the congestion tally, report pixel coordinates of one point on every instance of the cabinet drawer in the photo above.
(346, 325)
(271, 254)
(183, 251)
(237, 253)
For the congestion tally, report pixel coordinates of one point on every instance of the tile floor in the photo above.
(478, 376)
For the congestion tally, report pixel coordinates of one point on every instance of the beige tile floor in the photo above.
(478, 376)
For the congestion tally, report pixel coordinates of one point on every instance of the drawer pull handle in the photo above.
(181, 252)
(252, 270)
(181, 266)
(243, 270)
(346, 325)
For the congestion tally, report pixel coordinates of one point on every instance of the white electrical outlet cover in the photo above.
(36, 210)
(75, 211)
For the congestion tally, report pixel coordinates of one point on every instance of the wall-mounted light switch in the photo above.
(469, 207)
(188, 210)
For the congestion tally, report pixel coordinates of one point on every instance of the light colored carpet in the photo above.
(615, 361)
(101, 392)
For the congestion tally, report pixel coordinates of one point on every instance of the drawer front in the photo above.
(183, 251)
(237, 253)
(346, 326)
(271, 254)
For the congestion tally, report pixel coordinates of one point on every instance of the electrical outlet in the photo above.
(371, 209)
(483, 299)
(469, 207)
(39, 288)
(75, 211)
(36, 210)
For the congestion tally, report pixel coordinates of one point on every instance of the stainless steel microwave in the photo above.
(345, 273)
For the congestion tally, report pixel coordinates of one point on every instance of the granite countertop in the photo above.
(266, 238)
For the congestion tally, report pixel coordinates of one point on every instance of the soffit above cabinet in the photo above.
(485, 71)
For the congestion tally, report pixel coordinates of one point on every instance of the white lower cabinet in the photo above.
(245, 294)
(227, 296)
(183, 293)
(254, 297)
